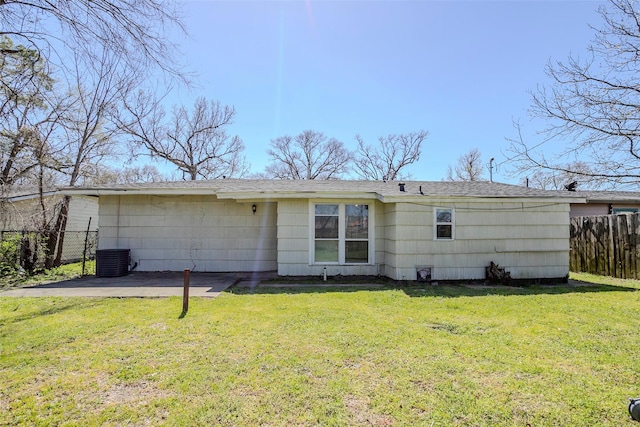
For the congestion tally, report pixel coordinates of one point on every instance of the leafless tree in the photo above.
(196, 141)
(309, 155)
(59, 132)
(468, 167)
(86, 131)
(91, 130)
(592, 106)
(390, 157)
(134, 174)
(135, 31)
(26, 101)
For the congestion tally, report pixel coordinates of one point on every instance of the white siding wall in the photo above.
(80, 210)
(26, 214)
(531, 240)
(409, 232)
(200, 233)
(293, 238)
(83, 213)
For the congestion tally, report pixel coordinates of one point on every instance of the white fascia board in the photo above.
(476, 199)
(235, 195)
(133, 191)
(296, 195)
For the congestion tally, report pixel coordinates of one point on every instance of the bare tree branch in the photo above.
(592, 107)
(309, 155)
(196, 141)
(136, 31)
(468, 167)
(388, 160)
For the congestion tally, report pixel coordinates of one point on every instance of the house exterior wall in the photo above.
(83, 213)
(409, 230)
(589, 209)
(595, 209)
(200, 233)
(26, 214)
(529, 239)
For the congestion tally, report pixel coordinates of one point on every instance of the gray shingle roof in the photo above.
(282, 188)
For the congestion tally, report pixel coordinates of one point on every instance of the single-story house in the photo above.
(606, 203)
(401, 230)
(22, 210)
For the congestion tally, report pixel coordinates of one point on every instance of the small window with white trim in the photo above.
(443, 220)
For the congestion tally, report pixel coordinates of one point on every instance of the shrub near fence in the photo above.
(76, 244)
(606, 245)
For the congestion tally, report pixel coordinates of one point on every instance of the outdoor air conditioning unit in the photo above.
(112, 262)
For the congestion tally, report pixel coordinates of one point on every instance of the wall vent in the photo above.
(423, 274)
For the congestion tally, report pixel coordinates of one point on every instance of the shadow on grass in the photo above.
(57, 306)
(415, 290)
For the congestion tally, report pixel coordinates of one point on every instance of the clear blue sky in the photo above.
(460, 69)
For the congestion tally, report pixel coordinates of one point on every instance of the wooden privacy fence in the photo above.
(606, 245)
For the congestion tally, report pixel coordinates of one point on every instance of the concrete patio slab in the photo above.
(140, 284)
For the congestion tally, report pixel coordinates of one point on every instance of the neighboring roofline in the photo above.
(613, 201)
(29, 196)
(612, 197)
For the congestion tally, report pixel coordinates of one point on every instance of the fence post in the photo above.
(185, 293)
(84, 251)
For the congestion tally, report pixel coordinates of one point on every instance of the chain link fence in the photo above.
(28, 249)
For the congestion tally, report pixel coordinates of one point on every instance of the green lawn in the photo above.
(415, 356)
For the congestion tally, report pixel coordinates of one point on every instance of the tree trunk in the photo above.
(55, 236)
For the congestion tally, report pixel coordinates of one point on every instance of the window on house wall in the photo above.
(444, 224)
(341, 233)
(356, 245)
(327, 235)
(624, 210)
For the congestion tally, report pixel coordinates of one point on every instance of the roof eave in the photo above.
(141, 191)
(256, 195)
(502, 198)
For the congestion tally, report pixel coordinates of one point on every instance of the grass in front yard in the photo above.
(432, 356)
